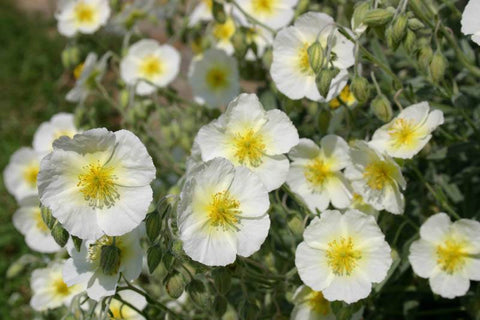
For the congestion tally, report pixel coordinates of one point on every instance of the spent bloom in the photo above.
(377, 178)
(61, 124)
(49, 289)
(315, 173)
(470, 21)
(291, 70)
(409, 132)
(98, 182)
(342, 255)
(149, 65)
(222, 212)
(249, 136)
(20, 175)
(81, 16)
(310, 305)
(100, 275)
(214, 78)
(447, 254)
(273, 13)
(29, 222)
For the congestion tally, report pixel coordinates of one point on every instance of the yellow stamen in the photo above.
(318, 303)
(263, 6)
(84, 13)
(217, 78)
(378, 174)
(342, 256)
(249, 148)
(151, 67)
(97, 183)
(30, 174)
(39, 223)
(224, 31)
(451, 255)
(303, 61)
(317, 171)
(223, 210)
(61, 287)
(403, 133)
(77, 72)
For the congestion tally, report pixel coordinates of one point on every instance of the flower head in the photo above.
(20, 175)
(59, 125)
(249, 136)
(149, 65)
(470, 22)
(222, 213)
(447, 254)
(342, 255)
(81, 16)
(409, 132)
(98, 182)
(273, 13)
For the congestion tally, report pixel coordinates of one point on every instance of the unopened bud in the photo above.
(153, 224)
(359, 13)
(414, 24)
(220, 305)
(124, 98)
(175, 285)
(438, 66)
(47, 217)
(399, 29)
(324, 80)
(70, 57)
(377, 17)
(360, 89)
(425, 55)
(218, 12)
(177, 248)
(223, 280)
(410, 41)
(154, 256)
(240, 44)
(382, 108)
(110, 259)
(316, 56)
(60, 234)
(77, 242)
(198, 293)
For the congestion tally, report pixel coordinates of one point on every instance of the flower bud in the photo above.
(70, 57)
(47, 217)
(154, 256)
(153, 224)
(359, 13)
(223, 280)
(414, 24)
(399, 29)
(77, 242)
(316, 56)
(198, 293)
(175, 285)
(360, 89)
(382, 108)
(438, 66)
(60, 234)
(324, 80)
(425, 55)
(240, 44)
(377, 17)
(110, 259)
(218, 12)
(177, 249)
(220, 305)
(410, 41)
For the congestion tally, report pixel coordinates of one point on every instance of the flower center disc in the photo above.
(30, 175)
(151, 67)
(378, 174)
(403, 133)
(451, 256)
(317, 172)
(342, 257)
(263, 6)
(216, 79)
(84, 13)
(39, 223)
(224, 31)
(223, 211)
(97, 183)
(249, 148)
(60, 287)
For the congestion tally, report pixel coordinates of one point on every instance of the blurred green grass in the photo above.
(30, 93)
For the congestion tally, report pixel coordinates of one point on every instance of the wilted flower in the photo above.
(409, 132)
(61, 124)
(214, 78)
(342, 255)
(249, 136)
(470, 21)
(28, 221)
(311, 305)
(291, 70)
(222, 212)
(82, 16)
(95, 268)
(377, 178)
(20, 175)
(315, 173)
(149, 65)
(447, 254)
(49, 289)
(275, 14)
(98, 182)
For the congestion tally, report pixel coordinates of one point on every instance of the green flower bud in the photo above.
(438, 66)
(60, 234)
(410, 41)
(110, 259)
(198, 293)
(425, 55)
(47, 217)
(223, 280)
(382, 108)
(360, 89)
(316, 56)
(177, 248)
(124, 98)
(70, 57)
(220, 305)
(175, 285)
(154, 256)
(377, 17)
(77, 242)
(218, 12)
(324, 80)
(153, 224)
(414, 24)
(399, 29)
(240, 44)
(359, 13)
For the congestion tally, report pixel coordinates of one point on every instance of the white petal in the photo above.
(252, 234)
(280, 133)
(305, 149)
(470, 230)
(348, 289)
(273, 171)
(101, 285)
(245, 111)
(470, 22)
(422, 258)
(449, 286)
(339, 190)
(312, 267)
(435, 228)
(320, 231)
(472, 268)
(248, 189)
(336, 149)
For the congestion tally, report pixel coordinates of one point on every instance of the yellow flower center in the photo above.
(84, 13)
(346, 96)
(263, 6)
(97, 183)
(249, 148)
(30, 174)
(403, 133)
(317, 171)
(451, 255)
(224, 31)
(151, 67)
(318, 303)
(378, 174)
(342, 257)
(303, 61)
(61, 287)
(39, 223)
(223, 210)
(217, 79)
(77, 72)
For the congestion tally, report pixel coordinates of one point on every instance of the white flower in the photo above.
(214, 78)
(310, 305)
(20, 175)
(222, 34)
(273, 13)
(28, 221)
(377, 178)
(262, 39)
(59, 125)
(222, 212)
(149, 65)
(49, 289)
(88, 74)
(291, 69)
(83, 16)
(247, 135)
(203, 12)
(315, 173)
(120, 310)
(470, 21)
(98, 182)
(409, 132)
(342, 255)
(83, 267)
(447, 254)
